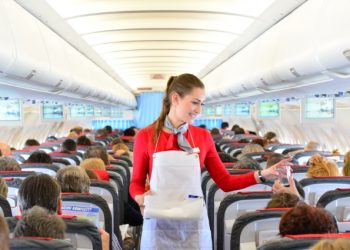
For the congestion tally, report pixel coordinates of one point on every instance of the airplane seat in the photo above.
(121, 172)
(224, 211)
(91, 207)
(5, 208)
(299, 171)
(303, 157)
(60, 162)
(301, 241)
(291, 149)
(13, 185)
(252, 229)
(29, 243)
(16, 174)
(46, 168)
(81, 233)
(125, 159)
(107, 191)
(314, 188)
(338, 203)
(257, 155)
(20, 159)
(123, 164)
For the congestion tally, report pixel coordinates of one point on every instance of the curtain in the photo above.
(149, 106)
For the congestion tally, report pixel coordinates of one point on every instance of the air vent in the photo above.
(30, 75)
(244, 87)
(294, 72)
(346, 53)
(264, 82)
(145, 89)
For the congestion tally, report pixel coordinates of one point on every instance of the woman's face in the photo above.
(187, 108)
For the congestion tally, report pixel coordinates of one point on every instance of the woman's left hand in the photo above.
(272, 172)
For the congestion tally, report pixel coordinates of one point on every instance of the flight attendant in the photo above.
(171, 152)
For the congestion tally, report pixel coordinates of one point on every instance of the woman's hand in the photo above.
(272, 172)
(140, 199)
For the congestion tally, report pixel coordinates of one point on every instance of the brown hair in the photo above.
(305, 219)
(3, 187)
(182, 85)
(73, 179)
(283, 200)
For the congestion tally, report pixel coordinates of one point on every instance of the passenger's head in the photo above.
(116, 141)
(273, 159)
(260, 141)
(83, 141)
(92, 174)
(183, 99)
(215, 131)
(78, 130)
(320, 166)
(31, 142)
(312, 146)
(5, 149)
(129, 132)
(332, 244)
(109, 129)
(3, 188)
(4, 234)
(41, 190)
(97, 152)
(121, 149)
(234, 127)
(239, 131)
(101, 133)
(224, 125)
(270, 136)
(252, 148)
(39, 222)
(224, 157)
(39, 157)
(283, 200)
(73, 179)
(305, 219)
(7, 163)
(69, 145)
(346, 165)
(93, 164)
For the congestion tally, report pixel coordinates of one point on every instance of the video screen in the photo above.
(106, 112)
(89, 110)
(209, 111)
(10, 110)
(52, 111)
(318, 108)
(218, 110)
(268, 108)
(242, 109)
(77, 111)
(97, 111)
(228, 109)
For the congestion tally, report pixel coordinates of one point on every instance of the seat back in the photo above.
(303, 157)
(231, 208)
(30, 243)
(254, 228)
(299, 172)
(13, 185)
(314, 188)
(5, 208)
(16, 174)
(45, 168)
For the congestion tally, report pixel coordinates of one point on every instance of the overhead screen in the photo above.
(319, 108)
(89, 111)
(97, 111)
(10, 110)
(268, 108)
(228, 109)
(52, 111)
(242, 109)
(77, 111)
(218, 110)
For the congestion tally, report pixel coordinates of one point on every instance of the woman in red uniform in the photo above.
(171, 152)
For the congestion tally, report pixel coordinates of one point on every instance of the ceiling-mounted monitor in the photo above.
(52, 111)
(10, 110)
(242, 109)
(97, 111)
(268, 109)
(228, 109)
(77, 111)
(89, 111)
(319, 108)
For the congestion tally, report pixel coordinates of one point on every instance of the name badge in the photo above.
(196, 150)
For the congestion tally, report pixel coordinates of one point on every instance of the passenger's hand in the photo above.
(279, 188)
(104, 239)
(272, 173)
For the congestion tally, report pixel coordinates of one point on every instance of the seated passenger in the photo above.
(225, 126)
(346, 164)
(272, 159)
(99, 152)
(121, 149)
(320, 166)
(129, 131)
(332, 244)
(39, 157)
(245, 161)
(83, 141)
(38, 222)
(271, 137)
(283, 200)
(215, 133)
(260, 141)
(31, 142)
(305, 219)
(116, 141)
(109, 129)
(4, 234)
(101, 134)
(3, 188)
(309, 147)
(7, 163)
(96, 165)
(224, 157)
(69, 146)
(73, 179)
(5, 149)
(78, 130)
